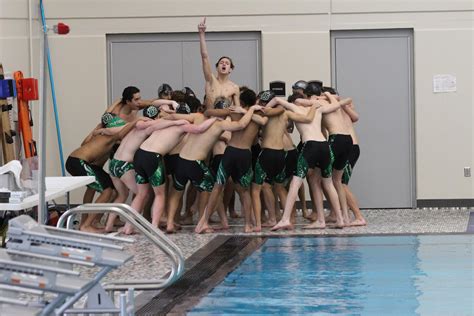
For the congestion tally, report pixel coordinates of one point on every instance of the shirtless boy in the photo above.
(216, 85)
(315, 154)
(236, 163)
(149, 166)
(86, 161)
(191, 166)
(270, 166)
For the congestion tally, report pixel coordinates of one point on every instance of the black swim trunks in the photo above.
(270, 166)
(149, 168)
(314, 154)
(194, 170)
(236, 163)
(341, 146)
(353, 157)
(79, 167)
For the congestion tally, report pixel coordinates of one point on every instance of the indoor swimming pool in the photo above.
(376, 275)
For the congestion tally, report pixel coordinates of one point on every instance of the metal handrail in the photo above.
(144, 226)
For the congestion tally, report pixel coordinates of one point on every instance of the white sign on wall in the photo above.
(444, 83)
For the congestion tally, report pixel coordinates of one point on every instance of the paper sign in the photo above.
(444, 83)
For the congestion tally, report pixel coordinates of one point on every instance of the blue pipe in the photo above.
(53, 91)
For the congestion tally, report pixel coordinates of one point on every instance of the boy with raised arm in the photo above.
(216, 85)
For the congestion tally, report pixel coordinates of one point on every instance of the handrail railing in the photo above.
(144, 226)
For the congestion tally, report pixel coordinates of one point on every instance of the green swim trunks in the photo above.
(118, 168)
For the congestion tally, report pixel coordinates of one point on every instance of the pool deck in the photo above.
(149, 263)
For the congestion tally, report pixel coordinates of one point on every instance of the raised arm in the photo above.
(197, 129)
(206, 65)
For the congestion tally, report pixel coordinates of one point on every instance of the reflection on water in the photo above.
(401, 275)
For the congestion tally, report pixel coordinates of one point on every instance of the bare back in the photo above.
(95, 149)
(274, 130)
(130, 144)
(312, 130)
(244, 138)
(335, 124)
(164, 140)
(198, 146)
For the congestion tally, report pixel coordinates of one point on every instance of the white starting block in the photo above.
(41, 258)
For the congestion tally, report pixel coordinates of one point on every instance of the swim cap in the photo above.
(266, 96)
(221, 104)
(300, 84)
(183, 108)
(314, 88)
(164, 89)
(188, 91)
(151, 111)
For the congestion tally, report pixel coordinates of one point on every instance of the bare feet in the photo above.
(92, 229)
(315, 225)
(283, 226)
(204, 229)
(248, 229)
(358, 222)
(269, 223)
(171, 229)
(338, 225)
(330, 219)
(307, 214)
(221, 227)
(187, 220)
(233, 214)
(257, 229)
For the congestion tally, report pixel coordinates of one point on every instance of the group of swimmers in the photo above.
(234, 140)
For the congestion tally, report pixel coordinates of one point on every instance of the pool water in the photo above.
(377, 275)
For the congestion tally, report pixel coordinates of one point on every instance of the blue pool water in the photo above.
(379, 275)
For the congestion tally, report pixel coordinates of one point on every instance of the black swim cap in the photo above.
(151, 111)
(183, 108)
(331, 90)
(314, 88)
(266, 96)
(300, 84)
(164, 89)
(188, 91)
(221, 104)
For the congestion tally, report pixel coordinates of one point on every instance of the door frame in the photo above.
(387, 33)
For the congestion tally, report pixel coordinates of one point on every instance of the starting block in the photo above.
(40, 259)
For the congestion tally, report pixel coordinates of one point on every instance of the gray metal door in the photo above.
(375, 68)
(147, 60)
